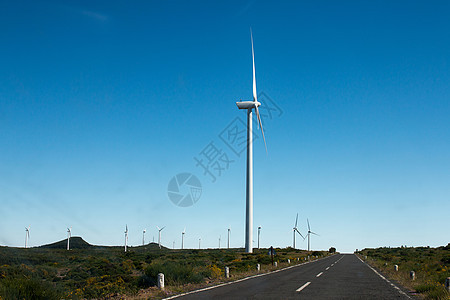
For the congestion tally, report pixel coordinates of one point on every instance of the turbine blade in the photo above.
(309, 228)
(163, 228)
(299, 233)
(260, 124)
(157, 227)
(254, 77)
(315, 233)
(296, 219)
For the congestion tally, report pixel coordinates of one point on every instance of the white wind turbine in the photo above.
(259, 232)
(182, 238)
(143, 237)
(294, 230)
(69, 235)
(159, 237)
(220, 237)
(249, 106)
(126, 237)
(229, 233)
(27, 235)
(309, 234)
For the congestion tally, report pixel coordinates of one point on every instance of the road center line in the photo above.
(332, 264)
(303, 286)
(319, 274)
(327, 268)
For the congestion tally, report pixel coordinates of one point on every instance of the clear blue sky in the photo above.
(102, 103)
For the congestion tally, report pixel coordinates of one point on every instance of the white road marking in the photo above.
(332, 264)
(327, 268)
(303, 286)
(319, 274)
(240, 280)
(387, 280)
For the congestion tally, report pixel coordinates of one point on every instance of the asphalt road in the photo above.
(341, 276)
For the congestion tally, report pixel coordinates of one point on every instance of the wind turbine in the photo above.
(182, 238)
(296, 230)
(249, 106)
(126, 237)
(259, 232)
(143, 237)
(69, 235)
(309, 234)
(27, 235)
(220, 237)
(199, 241)
(159, 238)
(229, 233)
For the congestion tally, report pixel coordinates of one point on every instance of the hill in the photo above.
(76, 242)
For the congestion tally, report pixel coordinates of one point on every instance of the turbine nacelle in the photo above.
(248, 104)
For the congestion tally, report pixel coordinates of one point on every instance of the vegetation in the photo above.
(431, 267)
(93, 272)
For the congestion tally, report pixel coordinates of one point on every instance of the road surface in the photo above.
(341, 276)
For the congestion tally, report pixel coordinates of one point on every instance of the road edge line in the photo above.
(242, 279)
(384, 278)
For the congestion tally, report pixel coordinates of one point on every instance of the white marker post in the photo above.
(227, 272)
(396, 268)
(161, 281)
(258, 267)
(412, 275)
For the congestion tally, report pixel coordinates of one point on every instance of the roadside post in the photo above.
(272, 253)
(161, 281)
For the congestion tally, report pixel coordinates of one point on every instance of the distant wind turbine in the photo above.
(143, 237)
(182, 238)
(126, 237)
(159, 238)
(229, 233)
(69, 235)
(295, 229)
(309, 234)
(219, 240)
(199, 241)
(27, 235)
(259, 232)
(249, 106)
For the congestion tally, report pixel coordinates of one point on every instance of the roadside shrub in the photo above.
(174, 273)
(22, 288)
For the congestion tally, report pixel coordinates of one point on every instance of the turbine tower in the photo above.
(143, 237)
(294, 230)
(27, 235)
(69, 235)
(249, 106)
(220, 237)
(259, 232)
(182, 238)
(309, 234)
(126, 237)
(159, 238)
(199, 241)
(229, 233)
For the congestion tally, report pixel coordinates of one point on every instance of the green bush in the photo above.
(174, 273)
(23, 288)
